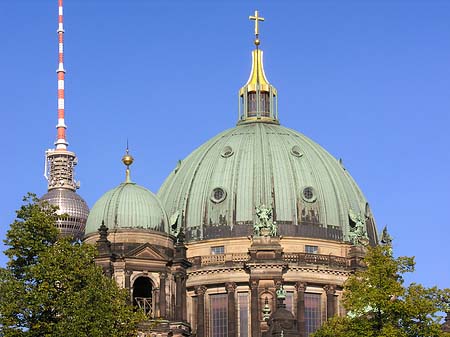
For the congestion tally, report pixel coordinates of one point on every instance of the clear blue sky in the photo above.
(368, 80)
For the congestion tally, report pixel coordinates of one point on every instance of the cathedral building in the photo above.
(252, 234)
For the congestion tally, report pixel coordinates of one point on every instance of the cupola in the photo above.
(127, 206)
(258, 98)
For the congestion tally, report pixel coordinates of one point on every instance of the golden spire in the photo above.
(127, 159)
(256, 18)
(257, 75)
(258, 98)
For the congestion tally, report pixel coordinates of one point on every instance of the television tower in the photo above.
(60, 163)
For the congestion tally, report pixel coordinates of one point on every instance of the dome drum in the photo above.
(243, 230)
(128, 239)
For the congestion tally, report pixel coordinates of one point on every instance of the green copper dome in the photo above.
(127, 206)
(215, 189)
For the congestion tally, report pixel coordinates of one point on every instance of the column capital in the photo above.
(181, 275)
(230, 287)
(330, 289)
(200, 290)
(163, 275)
(300, 286)
(254, 284)
(278, 283)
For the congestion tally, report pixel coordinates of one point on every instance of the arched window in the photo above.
(142, 295)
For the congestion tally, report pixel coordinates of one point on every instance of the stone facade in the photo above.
(186, 285)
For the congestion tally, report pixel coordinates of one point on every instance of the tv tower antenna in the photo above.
(60, 163)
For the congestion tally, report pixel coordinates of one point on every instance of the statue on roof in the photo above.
(176, 227)
(264, 226)
(386, 240)
(357, 235)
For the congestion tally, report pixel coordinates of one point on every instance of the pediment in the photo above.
(147, 252)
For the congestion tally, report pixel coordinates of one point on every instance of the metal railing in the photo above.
(145, 304)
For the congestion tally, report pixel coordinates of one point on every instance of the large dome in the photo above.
(127, 206)
(217, 187)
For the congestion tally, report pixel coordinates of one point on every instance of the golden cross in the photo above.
(257, 18)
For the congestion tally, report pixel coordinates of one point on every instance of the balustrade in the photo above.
(299, 258)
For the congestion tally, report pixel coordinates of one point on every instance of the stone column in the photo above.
(255, 314)
(183, 297)
(301, 287)
(331, 300)
(162, 295)
(155, 302)
(128, 279)
(128, 286)
(179, 296)
(200, 292)
(232, 314)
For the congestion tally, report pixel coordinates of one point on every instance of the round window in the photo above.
(227, 152)
(308, 194)
(218, 195)
(296, 152)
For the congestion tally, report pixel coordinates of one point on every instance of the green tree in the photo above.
(52, 287)
(380, 305)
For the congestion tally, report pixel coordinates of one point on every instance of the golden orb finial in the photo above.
(127, 159)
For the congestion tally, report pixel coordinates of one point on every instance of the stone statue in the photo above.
(386, 240)
(266, 310)
(176, 227)
(281, 293)
(264, 226)
(357, 234)
(173, 221)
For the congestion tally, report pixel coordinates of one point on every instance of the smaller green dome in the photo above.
(127, 206)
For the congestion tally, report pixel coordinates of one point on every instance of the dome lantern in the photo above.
(258, 98)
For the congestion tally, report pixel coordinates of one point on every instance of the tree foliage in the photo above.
(380, 305)
(52, 287)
